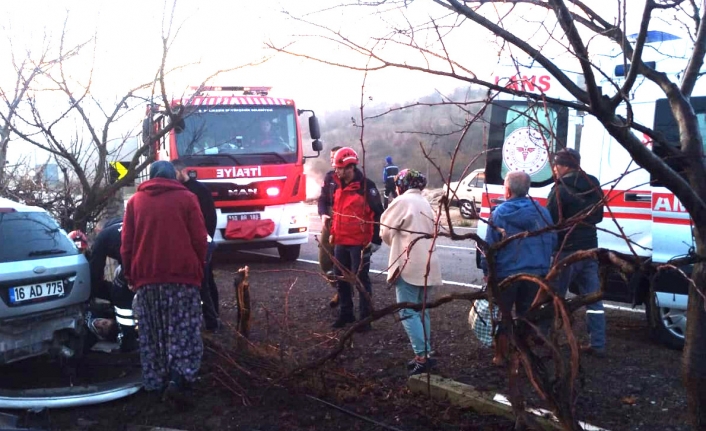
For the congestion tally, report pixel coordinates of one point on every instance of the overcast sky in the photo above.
(213, 35)
(221, 34)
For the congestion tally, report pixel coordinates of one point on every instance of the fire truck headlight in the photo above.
(272, 191)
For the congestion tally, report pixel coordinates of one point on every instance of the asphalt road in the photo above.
(457, 258)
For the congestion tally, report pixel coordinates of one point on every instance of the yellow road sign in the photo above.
(120, 168)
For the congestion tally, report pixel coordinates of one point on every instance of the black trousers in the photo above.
(356, 259)
(209, 292)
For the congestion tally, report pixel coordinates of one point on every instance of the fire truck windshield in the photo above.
(249, 134)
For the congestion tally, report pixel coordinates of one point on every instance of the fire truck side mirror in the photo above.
(317, 146)
(314, 131)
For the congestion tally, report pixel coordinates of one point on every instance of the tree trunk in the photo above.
(115, 206)
(3, 162)
(695, 348)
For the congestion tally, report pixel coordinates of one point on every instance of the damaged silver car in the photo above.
(44, 286)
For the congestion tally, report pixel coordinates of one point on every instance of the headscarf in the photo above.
(410, 179)
(162, 169)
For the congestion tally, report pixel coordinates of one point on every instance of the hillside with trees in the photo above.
(398, 130)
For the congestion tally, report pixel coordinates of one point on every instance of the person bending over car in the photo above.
(107, 245)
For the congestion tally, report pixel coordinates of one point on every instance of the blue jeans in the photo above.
(585, 274)
(354, 258)
(418, 331)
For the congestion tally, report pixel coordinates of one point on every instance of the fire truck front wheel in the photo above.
(289, 253)
(667, 325)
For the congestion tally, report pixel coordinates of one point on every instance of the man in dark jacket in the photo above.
(578, 196)
(528, 255)
(325, 205)
(107, 245)
(209, 290)
(388, 180)
(355, 232)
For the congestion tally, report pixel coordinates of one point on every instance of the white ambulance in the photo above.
(657, 225)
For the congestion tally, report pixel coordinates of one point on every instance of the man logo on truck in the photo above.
(243, 191)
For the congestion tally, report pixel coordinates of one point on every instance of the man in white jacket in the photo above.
(413, 266)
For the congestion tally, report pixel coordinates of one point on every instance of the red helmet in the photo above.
(344, 157)
(80, 239)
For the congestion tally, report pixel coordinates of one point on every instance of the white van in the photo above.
(658, 226)
(467, 194)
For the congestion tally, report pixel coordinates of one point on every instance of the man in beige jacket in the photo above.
(413, 266)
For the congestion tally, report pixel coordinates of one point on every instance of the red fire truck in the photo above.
(246, 147)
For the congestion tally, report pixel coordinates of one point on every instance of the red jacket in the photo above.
(356, 212)
(163, 236)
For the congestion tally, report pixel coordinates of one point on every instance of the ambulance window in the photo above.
(665, 125)
(521, 136)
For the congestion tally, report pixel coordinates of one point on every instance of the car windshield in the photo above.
(241, 135)
(32, 235)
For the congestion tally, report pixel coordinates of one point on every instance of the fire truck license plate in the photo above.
(34, 291)
(244, 216)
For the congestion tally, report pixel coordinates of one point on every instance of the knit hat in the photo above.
(162, 169)
(388, 159)
(410, 179)
(568, 157)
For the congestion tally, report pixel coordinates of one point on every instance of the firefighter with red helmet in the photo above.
(355, 232)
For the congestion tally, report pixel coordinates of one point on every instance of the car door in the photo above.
(476, 188)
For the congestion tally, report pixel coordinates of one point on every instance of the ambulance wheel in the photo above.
(289, 253)
(466, 208)
(667, 325)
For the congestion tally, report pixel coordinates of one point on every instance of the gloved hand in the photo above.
(374, 247)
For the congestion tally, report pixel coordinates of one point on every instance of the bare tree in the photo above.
(88, 131)
(574, 29)
(26, 70)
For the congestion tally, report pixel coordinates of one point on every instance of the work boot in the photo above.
(593, 351)
(176, 393)
(343, 321)
(421, 367)
(411, 364)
